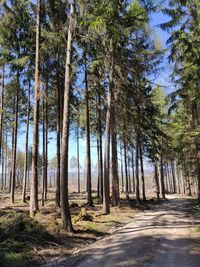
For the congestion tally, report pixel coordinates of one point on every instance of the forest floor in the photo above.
(167, 236)
(29, 242)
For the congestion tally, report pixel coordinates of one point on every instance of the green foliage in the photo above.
(16, 230)
(14, 259)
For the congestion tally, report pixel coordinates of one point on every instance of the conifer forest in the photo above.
(100, 133)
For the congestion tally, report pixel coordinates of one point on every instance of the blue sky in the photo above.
(163, 79)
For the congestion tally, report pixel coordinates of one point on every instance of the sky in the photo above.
(163, 79)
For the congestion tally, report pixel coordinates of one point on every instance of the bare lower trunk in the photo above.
(129, 176)
(142, 173)
(78, 159)
(6, 158)
(65, 212)
(88, 153)
(106, 196)
(44, 152)
(98, 171)
(26, 149)
(15, 142)
(115, 178)
(10, 167)
(162, 183)
(2, 161)
(125, 164)
(2, 108)
(106, 184)
(34, 207)
(100, 149)
(122, 172)
(58, 133)
(137, 168)
(174, 178)
(198, 175)
(46, 145)
(157, 181)
(170, 179)
(133, 170)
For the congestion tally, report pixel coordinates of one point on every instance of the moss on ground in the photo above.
(19, 234)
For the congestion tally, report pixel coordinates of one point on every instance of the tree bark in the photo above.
(78, 157)
(65, 212)
(26, 147)
(46, 142)
(88, 152)
(129, 175)
(2, 159)
(44, 150)
(6, 157)
(133, 170)
(122, 172)
(34, 207)
(125, 161)
(98, 162)
(100, 149)
(157, 181)
(2, 108)
(58, 137)
(15, 142)
(162, 183)
(106, 196)
(142, 172)
(174, 178)
(115, 177)
(137, 168)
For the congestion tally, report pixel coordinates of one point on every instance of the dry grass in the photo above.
(55, 242)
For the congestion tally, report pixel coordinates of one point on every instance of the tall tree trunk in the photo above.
(58, 137)
(129, 175)
(26, 147)
(106, 181)
(198, 174)
(174, 178)
(98, 163)
(65, 212)
(88, 153)
(157, 181)
(6, 157)
(99, 132)
(44, 150)
(166, 178)
(2, 108)
(11, 159)
(122, 172)
(195, 123)
(15, 142)
(2, 159)
(115, 177)
(78, 158)
(137, 186)
(46, 142)
(2, 122)
(125, 161)
(34, 207)
(177, 174)
(106, 196)
(142, 172)
(170, 179)
(162, 183)
(133, 169)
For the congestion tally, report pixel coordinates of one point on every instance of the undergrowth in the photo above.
(19, 234)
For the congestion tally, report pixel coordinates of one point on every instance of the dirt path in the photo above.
(164, 237)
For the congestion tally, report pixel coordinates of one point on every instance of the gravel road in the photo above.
(164, 237)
